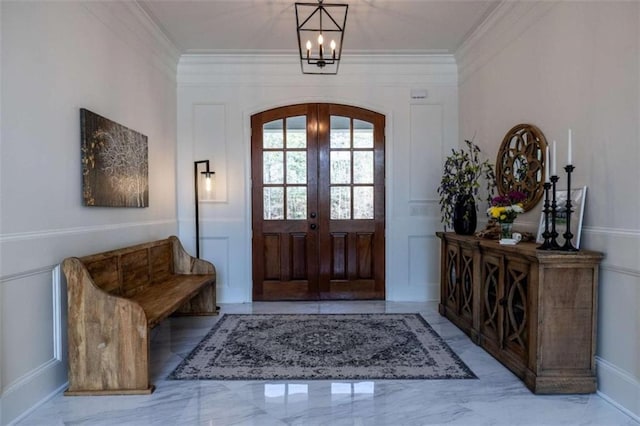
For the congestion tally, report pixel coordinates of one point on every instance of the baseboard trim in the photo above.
(616, 385)
(618, 406)
(39, 404)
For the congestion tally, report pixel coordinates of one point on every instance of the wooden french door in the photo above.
(318, 203)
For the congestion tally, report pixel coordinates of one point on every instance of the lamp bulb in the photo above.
(333, 45)
(207, 182)
(320, 39)
(308, 44)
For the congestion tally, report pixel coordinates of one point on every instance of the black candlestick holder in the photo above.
(568, 236)
(546, 245)
(553, 242)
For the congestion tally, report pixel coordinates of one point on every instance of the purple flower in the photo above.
(513, 197)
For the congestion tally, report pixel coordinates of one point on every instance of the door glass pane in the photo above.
(340, 135)
(340, 167)
(340, 202)
(362, 134)
(297, 167)
(272, 167)
(363, 167)
(273, 203)
(272, 134)
(296, 202)
(297, 132)
(363, 202)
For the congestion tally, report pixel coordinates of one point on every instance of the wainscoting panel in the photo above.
(221, 243)
(424, 265)
(414, 261)
(209, 143)
(34, 304)
(618, 315)
(427, 137)
(217, 249)
(33, 317)
(28, 317)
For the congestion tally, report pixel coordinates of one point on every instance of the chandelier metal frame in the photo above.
(321, 21)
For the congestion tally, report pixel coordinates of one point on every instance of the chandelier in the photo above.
(319, 24)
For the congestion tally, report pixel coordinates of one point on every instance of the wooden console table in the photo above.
(535, 311)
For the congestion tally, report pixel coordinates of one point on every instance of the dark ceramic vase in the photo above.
(465, 219)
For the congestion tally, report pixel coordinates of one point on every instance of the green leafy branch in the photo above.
(461, 177)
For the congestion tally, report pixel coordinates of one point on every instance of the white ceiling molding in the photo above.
(267, 69)
(505, 24)
(131, 19)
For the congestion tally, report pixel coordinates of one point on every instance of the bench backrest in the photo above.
(127, 271)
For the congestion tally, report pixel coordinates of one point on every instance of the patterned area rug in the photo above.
(309, 347)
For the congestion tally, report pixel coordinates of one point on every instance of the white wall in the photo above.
(217, 96)
(576, 65)
(57, 58)
(556, 65)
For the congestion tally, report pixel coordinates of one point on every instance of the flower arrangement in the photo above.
(505, 208)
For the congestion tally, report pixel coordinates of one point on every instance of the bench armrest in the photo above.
(184, 263)
(107, 335)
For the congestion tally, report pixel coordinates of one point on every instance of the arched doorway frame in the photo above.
(388, 153)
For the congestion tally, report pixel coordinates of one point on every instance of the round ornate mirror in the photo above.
(519, 166)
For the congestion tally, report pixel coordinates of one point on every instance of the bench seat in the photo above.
(115, 298)
(161, 300)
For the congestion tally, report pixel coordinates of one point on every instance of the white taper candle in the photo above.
(553, 159)
(569, 152)
(546, 166)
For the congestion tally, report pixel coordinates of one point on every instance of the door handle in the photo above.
(313, 226)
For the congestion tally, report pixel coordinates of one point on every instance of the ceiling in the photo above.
(269, 26)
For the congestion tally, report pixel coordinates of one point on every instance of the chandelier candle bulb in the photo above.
(333, 49)
(308, 48)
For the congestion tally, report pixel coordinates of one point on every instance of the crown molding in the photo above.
(155, 31)
(133, 25)
(501, 27)
(280, 57)
(276, 69)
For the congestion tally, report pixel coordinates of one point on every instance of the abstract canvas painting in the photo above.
(115, 170)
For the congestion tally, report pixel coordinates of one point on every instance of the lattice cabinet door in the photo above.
(452, 278)
(516, 302)
(491, 293)
(466, 285)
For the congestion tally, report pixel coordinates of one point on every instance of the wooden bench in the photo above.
(115, 298)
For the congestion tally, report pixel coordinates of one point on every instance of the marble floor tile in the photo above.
(497, 397)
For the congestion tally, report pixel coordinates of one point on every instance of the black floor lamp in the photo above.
(207, 174)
